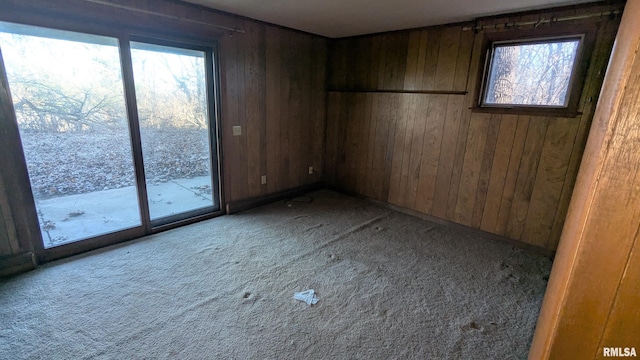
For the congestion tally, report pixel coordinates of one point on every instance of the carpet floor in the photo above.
(390, 286)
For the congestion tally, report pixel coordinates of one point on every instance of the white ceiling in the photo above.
(340, 18)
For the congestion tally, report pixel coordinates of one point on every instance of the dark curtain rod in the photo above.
(537, 23)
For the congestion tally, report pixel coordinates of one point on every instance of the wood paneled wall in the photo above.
(510, 175)
(8, 237)
(273, 86)
(593, 297)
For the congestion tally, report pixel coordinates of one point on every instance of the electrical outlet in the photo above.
(237, 130)
(310, 170)
(263, 179)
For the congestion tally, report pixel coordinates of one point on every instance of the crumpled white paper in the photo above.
(308, 296)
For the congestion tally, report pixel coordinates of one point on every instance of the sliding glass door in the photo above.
(98, 167)
(172, 99)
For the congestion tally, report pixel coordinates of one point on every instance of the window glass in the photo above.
(531, 73)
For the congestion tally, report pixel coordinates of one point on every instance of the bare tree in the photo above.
(536, 74)
(42, 106)
(46, 101)
(504, 76)
(171, 90)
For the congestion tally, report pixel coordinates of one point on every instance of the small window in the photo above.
(537, 76)
(531, 74)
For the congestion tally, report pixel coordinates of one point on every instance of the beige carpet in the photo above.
(390, 286)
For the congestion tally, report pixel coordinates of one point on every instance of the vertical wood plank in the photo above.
(474, 153)
(285, 93)
(447, 58)
(380, 147)
(417, 141)
(339, 64)
(241, 141)
(435, 118)
(262, 102)
(385, 57)
(398, 151)
(621, 329)
(352, 141)
(550, 177)
(354, 46)
(364, 146)
(453, 119)
(375, 102)
(377, 61)
(341, 139)
(499, 171)
(463, 62)
(333, 111)
(431, 60)
(273, 108)
(5, 245)
(526, 176)
(318, 107)
(512, 174)
(393, 120)
(413, 59)
(485, 169)
(363, 63)
(252, 110)
(8, 237)
(295, 121)
(305, 119)
(421, 60)
(461, 141)
(395, 60)
(230, 97)
(458, 166)
(410, 135)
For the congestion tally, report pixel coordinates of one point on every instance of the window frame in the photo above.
(585, 33)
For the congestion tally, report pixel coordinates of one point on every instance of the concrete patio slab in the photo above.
(81, 216)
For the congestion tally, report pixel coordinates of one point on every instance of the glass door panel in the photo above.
(68, 96)
(172, 101)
